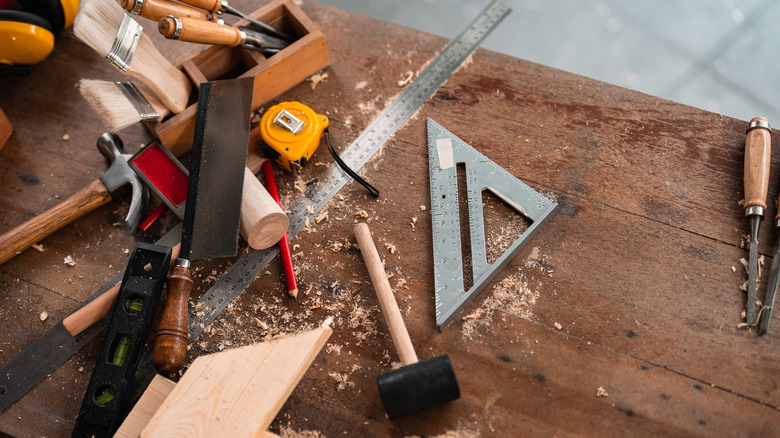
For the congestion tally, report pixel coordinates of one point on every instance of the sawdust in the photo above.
(512, 296)
(289, 432)
(316, 78)
(601, 392)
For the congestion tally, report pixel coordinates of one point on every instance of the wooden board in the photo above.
(237, 392)
(640, 269)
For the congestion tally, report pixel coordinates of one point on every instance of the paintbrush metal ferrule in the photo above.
(125, 42)
(145, 110)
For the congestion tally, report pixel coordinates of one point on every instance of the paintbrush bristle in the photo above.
(96, 24)
(112, 106)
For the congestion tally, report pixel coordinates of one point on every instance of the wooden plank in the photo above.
(143, 411)
(237, 392)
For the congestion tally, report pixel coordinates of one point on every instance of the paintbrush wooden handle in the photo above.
(157, 9)
(170, 344)
(96, 309)
(82, 202)
(395, 322)
(199, 31)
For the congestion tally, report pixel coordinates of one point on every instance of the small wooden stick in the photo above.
(96, 309)
(395, 322)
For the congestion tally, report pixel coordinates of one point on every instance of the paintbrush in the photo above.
(104, 26)
(121, 104)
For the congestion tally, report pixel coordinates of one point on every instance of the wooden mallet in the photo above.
(416, 386)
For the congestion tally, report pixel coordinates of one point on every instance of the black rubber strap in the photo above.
(371, 189)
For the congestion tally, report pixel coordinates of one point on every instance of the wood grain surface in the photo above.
(618, 319)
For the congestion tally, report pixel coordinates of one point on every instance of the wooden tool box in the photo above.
(273, 75)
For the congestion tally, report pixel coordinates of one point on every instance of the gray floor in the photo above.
(720, 55)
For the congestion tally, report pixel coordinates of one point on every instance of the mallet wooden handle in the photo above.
(170, 343)
(96, 309)
(80, 203)
(199, 31)
(157, 9)
(757, 155)
(401, 339)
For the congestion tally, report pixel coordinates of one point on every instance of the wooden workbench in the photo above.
(632, 288)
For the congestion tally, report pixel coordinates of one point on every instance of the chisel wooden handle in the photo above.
(170, 343)
(80, 203)
(209, 5)
(757, 155)
(395, 322)
(199, 31)
(96, 309)
(157, 9)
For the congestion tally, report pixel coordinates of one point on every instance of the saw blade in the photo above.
(445, 151)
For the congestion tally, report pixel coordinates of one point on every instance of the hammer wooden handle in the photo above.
(757, 155)
(200, 31)
(82, 202)
(170, 343)
(157, 9)
(401, 339)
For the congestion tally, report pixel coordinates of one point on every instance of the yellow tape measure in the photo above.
(291, 132)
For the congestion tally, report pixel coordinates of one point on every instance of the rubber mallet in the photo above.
(416, 386)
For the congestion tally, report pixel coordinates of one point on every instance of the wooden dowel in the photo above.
(263, 223)
(395, 322)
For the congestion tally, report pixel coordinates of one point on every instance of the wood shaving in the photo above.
(601, 392)
(342, 380)
(406, 79)
(361, 85)
(315, 79)
(362, 213)
(44, 316)
(390, 247)
(38, 247)
(558, 326)
(511, 296)
(321, 217)
(69, 261)
(414, 221)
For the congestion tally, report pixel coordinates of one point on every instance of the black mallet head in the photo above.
(419, 386)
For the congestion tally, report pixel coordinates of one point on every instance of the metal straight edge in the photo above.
(28, 368)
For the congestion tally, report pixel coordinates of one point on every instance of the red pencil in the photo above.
(284, 246)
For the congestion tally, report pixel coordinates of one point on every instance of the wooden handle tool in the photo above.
(25, 235)
(208, 5)
(395, 322)
(157, 9)
(170, 344)
(200, 31)
(757, 156)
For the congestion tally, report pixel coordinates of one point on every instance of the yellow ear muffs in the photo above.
(59, 13)
(25, 39)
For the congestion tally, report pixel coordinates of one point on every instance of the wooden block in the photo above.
(6, 128)
(273, 75)
(237, 392)
(145, 408)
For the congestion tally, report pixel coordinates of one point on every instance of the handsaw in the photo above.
(306, 207)
(445, 151)
(213, 208)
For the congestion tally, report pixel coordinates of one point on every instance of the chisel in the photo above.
(213, 207)
(156, 9)
(757, 155)
(219, 6)
(774, 280)
(204, 32)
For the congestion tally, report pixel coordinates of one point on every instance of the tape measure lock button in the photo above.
(292, 131)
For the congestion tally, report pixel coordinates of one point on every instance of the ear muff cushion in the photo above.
(25, 38)
(49, 10)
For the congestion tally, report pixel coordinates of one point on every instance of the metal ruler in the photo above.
(248, 267)
(445, 151)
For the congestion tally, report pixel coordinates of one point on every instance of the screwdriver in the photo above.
(757, 154)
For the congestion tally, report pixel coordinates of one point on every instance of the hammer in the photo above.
(416, 386)
(92, 196)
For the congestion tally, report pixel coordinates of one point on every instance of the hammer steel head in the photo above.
(119, 174)
(417, 387)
